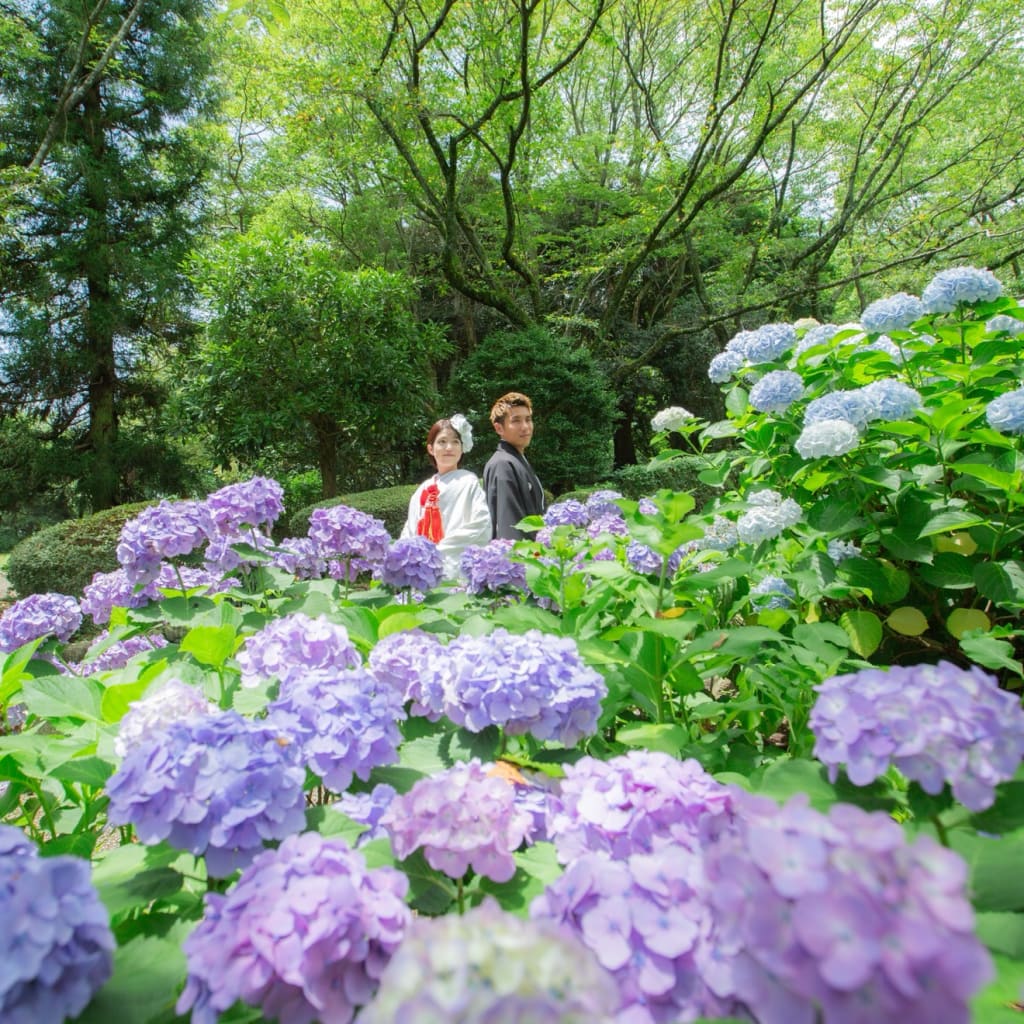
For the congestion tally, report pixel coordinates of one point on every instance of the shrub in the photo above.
(64, 557)
(639, 481)
(388, 503)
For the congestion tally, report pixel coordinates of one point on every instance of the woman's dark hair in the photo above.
(432, 437)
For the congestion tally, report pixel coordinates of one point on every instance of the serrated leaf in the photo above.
(949, 520)
(1001, 582)
(64, 697)
(948, 571)
(210, 645)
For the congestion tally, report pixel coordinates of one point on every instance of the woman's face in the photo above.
(446, 450)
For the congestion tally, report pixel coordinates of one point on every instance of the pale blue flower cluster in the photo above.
(109, 590)
(837, 918)
(344, 723)
(675, 417)
(821, 334)
(937, 724)
(39, 615)
(488, 965)
(724, 365)
(292, 645)
(890, 400)
(948, 288)
(462, 817)
(1010, 324)
(840, 550)
(767, 516)
(851, 406)
(824, 438)
(776, 391)
(1006, 413)
(772, 592)
(895, 313)
(56, 946)
(218, 785)
(304, 934)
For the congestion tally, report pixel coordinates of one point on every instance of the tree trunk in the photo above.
(99, 325)
(327, 453)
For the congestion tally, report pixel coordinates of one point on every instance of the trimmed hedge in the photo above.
(636, 482)
(388, 503)
(63, 558)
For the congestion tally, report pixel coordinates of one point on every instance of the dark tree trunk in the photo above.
(327, 453)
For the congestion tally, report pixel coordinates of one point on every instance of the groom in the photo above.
(512, 488)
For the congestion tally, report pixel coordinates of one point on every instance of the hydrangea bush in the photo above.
(760, 758)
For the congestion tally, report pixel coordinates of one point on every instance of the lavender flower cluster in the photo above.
(488, 965)
(304, 934)
(526, 683)
(412, 662)
(635, 803)
(105, 655)
(937, 724)
(837, 912)
(345, 533)
(39, 615)
(489, 570)
(411, 563)
(344, 723)
(56, 946)
(293, 645)
(168, 530)
(219, 785)
(463, 817)
(255, 503)
(367, 809)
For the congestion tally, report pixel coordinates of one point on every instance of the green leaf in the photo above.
(997, 1002)
(430, 891)
(950, 520)
(1001, 582)
(1002, 933)
(329, 821)
(1006, 814)
(865, 631)
(131, 877)
(117, 697)
(92, 771)
(996, 880)
(667, 738)
(787, 776)
(57, 697)
(991, 653)
(948, 571)
(883, 582)
(210, 645)
(536, 868)
(149, 971)
(907, 621)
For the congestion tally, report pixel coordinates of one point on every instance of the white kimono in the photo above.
(465, 518)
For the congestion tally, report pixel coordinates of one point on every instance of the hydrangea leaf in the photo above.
(963, 620)
(64, 697)
(991, 653)
(908, 621)
(997, 1003)
(865, 631)
(1001, 582)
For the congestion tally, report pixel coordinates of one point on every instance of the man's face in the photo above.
(517, 429)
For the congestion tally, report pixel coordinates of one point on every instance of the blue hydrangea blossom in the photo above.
(948, 288)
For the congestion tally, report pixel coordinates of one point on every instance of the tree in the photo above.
(298, 347)
(97, 113)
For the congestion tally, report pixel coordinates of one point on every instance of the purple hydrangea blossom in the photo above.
(891, 399)
(772, 592)
(935, 723)
(411, 563)
(367, 809)
(167, 530)
(488, 569)
(221, 557)
(675, 417)
(827, 439)
(256, 502)
(566, 513)
(412, 663)
(462, 817)
(218, 785)
(344, 723)
(109, 590)
(174, 579)
(526, 683)
(289, 647)
(106, 656)
(345, 533)
(837, 918)
(776, 391)
(724, 365)
(1010, 324)
(304, 934)
(895, 313)
(300, 557)
(1006, 413)
(643, 559)
(646, 922)
(173, 701)
(769, 514)
(56, 946)
(852, 406)
(611, 520)
(635, 803)
(36, 616)
(948, 288)
(602, 503)
(489, 965)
